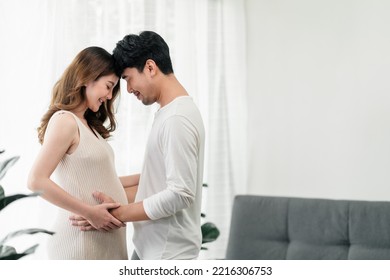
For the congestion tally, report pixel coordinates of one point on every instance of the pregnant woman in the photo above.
(75, 153)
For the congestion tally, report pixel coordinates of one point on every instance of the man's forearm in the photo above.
(130, 180)
(132, 212)
(130, 193)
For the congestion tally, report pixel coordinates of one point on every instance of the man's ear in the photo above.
(151, 67)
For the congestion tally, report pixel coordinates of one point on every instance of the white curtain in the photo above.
(39, 38)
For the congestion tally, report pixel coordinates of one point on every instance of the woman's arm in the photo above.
(131, 212)
(127, 213)
(61, 137)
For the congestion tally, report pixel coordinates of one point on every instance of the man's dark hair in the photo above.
(134, 50)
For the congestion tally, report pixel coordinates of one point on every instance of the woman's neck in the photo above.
(80, 112)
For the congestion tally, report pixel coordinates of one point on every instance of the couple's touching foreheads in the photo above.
(75, 167)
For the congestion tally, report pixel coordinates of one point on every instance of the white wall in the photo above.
(319, 98)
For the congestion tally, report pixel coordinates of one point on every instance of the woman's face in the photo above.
(99, 91)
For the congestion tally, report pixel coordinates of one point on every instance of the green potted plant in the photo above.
(210, 232)
(9, 252)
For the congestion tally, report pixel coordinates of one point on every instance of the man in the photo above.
(166, 211)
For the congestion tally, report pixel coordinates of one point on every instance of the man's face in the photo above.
(139, 84)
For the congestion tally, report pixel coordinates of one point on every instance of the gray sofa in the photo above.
(274, 228)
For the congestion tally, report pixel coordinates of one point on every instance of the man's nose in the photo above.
(129, 88)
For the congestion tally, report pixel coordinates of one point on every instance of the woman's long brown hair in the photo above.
(69, 91)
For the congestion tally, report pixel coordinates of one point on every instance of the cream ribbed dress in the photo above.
(90, 167)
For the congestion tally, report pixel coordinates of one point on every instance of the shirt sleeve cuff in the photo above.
(148, 208)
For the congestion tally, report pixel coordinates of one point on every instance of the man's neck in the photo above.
(170, 90)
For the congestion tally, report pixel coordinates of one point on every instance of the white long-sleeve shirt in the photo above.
(171, 184)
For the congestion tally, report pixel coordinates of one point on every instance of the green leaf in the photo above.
(13, 255)
(4, 201)
(210, 232)
(5, 165)
(24, 231)
(2, 151)
(31, 249)
(6, 251)
(1, 192)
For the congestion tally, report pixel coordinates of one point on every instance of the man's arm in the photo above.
(130, 193)
(126, 213)
(132, 212)
(130, 184)
(130, 180)
(179, 142)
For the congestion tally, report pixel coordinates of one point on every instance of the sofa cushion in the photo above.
(258, 225)
(304, 228)
(317, 229)
(369, 230)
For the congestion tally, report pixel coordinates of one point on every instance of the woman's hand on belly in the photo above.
(98, 217)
